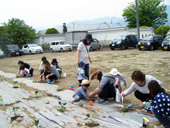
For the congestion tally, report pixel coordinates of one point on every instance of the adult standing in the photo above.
(140, 85)
(83, 53)
(106, 88)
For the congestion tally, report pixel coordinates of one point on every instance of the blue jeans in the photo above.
(86, 70)
(164, 120)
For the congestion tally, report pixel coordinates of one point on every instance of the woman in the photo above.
(160, 104)
(140, 85)
(54, 62)
(105, 89)
(83, 53)
(50, 72)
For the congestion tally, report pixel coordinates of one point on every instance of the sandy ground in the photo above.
(154, 63)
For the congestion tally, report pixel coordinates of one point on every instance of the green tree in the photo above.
(64, 28)
(165, 30)
(18, 32)
(3, 35)
(151, 13)
(51, 31)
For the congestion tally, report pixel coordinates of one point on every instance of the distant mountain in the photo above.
(109, 20)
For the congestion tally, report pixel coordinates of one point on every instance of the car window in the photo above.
(25, 46)
(167, 38)
(155, 38)
(13, 47)
(57, 43)
(95, 41)
(53, 43)
(120, 37)
(33, 45)
(147, 38)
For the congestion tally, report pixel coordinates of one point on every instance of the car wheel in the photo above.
(122, 47)
(30, 52)
(152, 48)
(112, 48)
(61, 50)
(140, 49)
(51, 50)
(90, 49)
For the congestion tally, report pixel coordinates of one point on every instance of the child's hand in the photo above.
(143, 110)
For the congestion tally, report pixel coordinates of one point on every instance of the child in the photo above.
(54, 62)
(23, 71)
(80, 72)
(81, 92)
(31, 70)
(41, 67)
(160, 105)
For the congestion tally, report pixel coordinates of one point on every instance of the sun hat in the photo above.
(114, 71)
(81, 64)
(93, 72)
(89, 37)
(54, 60)
(85, 82)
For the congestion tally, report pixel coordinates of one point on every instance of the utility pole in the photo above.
(137, 19)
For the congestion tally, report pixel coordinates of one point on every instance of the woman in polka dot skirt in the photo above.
(160, 105)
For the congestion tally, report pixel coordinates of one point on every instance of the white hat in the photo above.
(114, 71)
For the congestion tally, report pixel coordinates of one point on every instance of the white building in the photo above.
(103, 32)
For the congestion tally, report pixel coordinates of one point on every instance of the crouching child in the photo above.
(23, 71)
(81, 92)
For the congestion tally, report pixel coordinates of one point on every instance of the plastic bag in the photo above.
(117, 95)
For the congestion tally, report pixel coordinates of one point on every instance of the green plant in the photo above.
(14, 109)
(36, 122)
(15, 82)
(36, 93)
(62, 108)
(1, 102)
(89, 120)
(125, 108)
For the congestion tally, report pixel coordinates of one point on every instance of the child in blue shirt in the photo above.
(80, 72)
(81, 92)
(160, 105)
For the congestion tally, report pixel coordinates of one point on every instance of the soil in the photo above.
(155, 63)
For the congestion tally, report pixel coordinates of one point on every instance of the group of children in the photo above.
(51, 72)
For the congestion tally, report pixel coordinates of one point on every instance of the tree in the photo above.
(18, 32)
(3, 35)
(51, 31)
(165, 30)
(151, 13)
(64, 28)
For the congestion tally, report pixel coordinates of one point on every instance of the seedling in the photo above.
(36, 93)
(125, 108)
(62, 108)
(15, 82)
(90, 122)
(36, 122)
(1, 102)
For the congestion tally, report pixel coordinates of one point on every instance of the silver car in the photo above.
(95, 45)
(1, 54)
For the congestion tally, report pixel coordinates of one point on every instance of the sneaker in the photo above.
(103, 101)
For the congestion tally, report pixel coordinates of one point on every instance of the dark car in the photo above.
(95, 45)
(166, 43)
(11, 50)
(150, 42)
(124, 41)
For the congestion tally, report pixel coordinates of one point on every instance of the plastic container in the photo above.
(26, 76)
(91, 103)
(72, 86)
(49, 82)
(130, 105)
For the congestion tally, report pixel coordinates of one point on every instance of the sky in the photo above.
(50, 13)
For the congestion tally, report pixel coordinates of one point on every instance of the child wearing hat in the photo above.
(80, 72)
(81, 92)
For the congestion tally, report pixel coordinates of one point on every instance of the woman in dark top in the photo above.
(26, 65)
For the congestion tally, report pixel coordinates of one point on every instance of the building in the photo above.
(103, 32)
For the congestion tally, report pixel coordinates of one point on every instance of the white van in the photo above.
(60, 46)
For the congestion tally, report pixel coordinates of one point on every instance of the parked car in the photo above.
(166, 43)
(12, 50)
(95, 45)
(150, 42)
(124, 41)
(1, 54)
(60, 46)
(31, 48)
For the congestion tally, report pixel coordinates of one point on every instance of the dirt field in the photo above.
(154, 63)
